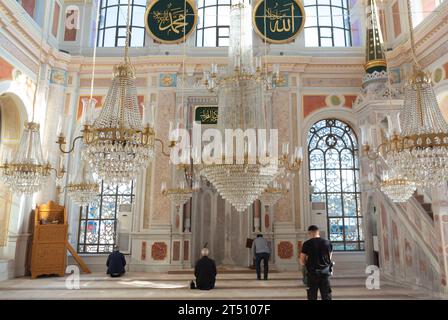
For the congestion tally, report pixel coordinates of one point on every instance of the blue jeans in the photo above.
(258, 258)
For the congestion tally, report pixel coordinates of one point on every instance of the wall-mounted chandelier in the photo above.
(419, 153)
(244, 101)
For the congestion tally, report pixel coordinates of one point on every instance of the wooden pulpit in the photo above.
(50, 241)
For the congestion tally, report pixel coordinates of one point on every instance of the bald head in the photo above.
(205, 252)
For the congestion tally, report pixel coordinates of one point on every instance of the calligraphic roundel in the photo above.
(278, 21)
(171, 21)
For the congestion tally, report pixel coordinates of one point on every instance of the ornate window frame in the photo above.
(94, 217)
(335, 134)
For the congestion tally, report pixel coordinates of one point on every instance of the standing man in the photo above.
(262, 251)
(316, 257)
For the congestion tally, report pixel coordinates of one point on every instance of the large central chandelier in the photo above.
(244, 101)
(419, 153)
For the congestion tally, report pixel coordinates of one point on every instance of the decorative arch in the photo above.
(18, 92)
(12, 117)
(334, 175)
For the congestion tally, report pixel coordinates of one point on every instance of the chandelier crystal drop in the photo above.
(83, 190)
(27, 171)
(396, 188)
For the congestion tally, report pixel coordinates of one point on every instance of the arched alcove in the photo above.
(12, 118)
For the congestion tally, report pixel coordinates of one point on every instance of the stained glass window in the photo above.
(113, 23)
(98, 222)
(334, 175)
(327, 23)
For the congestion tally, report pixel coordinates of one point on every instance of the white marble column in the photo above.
(53, 109)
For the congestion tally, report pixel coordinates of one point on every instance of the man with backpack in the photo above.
(316, 257)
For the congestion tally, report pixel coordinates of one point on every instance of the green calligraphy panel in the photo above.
(171, 21)
(206, 115)
(278, 21)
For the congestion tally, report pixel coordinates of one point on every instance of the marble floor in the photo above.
(281, 285)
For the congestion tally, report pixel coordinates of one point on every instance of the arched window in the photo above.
(327, 23)
(213, 23)
(334, 175)
(113, 19)
(98, 222)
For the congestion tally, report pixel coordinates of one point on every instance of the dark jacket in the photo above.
(205, 272)
(115, 263)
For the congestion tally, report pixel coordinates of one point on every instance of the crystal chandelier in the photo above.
(396, 188)
(83, 190)
(420, 152)
(180, 195)
(27, 172)
(273, 193)
(244, 99)
(118, 144)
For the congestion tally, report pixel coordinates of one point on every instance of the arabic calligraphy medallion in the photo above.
(171, 21)
(278, 21)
